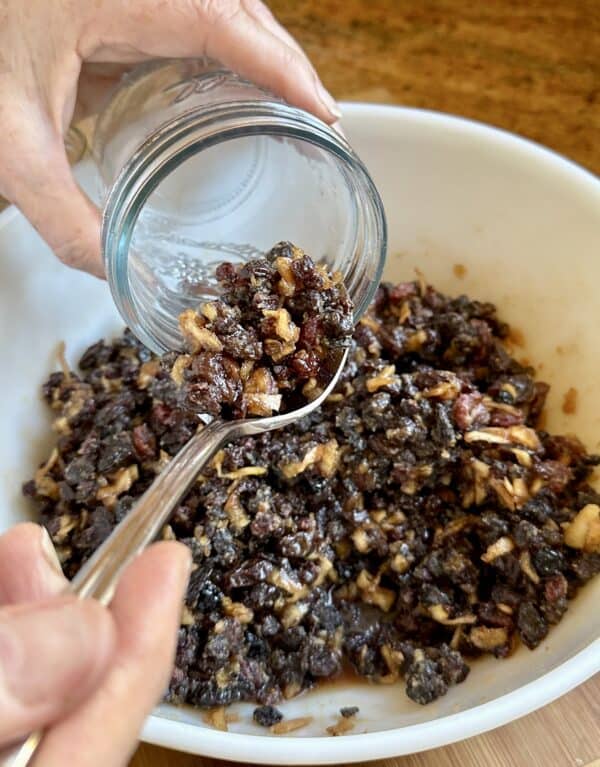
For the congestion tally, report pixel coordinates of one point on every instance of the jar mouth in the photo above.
(202, 128)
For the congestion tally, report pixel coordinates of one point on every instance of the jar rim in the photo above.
(189, 133)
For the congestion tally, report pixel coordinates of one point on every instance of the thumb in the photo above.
(36, 177)
(52, 656)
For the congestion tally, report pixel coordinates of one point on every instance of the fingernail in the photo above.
(327, 100)
(49, 552)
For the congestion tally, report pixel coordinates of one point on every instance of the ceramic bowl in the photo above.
(523, 227)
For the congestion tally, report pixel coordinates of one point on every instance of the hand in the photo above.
(43, 46)
(85, 674)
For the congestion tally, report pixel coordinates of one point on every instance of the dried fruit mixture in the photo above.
(417, 520)
(269, 343)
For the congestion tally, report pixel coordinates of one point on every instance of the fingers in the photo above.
(35, 175)
(29, 568)
(245, 46)
(242, 34)
(147, 610)
(52, 655)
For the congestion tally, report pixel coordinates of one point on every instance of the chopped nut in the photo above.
(400, 564)
(209, 310)
(284, 327)
(62, 358)
(236, 514)
(386, 377)
(522, 457)
(180, 364)
(368, 321)
(44, 484)
(393, 659)
(440, 615)
(497, 435)
(246, 369)
(284, 581)
(290, 725)
(342, 726)
(293, 614)
(167, 533)
(329, 458)
(505, 492)
(374, 594)
(497, 549)
(67, 524)
(287, 284)
(147, 373)
(404, 313)
(261, 381)
(237, 610)
(215, 717)
(277, 350)
(263, 404)
(245, 471)
(415, 341)
(584, 531)
(444, 390)
(196, 335)
(311, 390)
(326, 457)
(527, 567)
(121, 483)
(488, 638)
(187, 617)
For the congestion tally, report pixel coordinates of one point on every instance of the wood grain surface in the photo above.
(529, 66)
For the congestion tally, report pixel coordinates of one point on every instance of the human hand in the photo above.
(44, 45)
(85, 674)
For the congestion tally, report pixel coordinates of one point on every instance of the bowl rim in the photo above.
(411, 738)
(399, 741)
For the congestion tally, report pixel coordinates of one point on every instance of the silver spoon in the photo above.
(99, 576)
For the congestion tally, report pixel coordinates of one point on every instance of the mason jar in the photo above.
(198, 167)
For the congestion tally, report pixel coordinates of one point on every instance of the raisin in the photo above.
(267, 716)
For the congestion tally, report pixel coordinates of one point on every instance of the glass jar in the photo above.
(200, 167)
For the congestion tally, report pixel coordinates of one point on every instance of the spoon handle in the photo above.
(99, 576)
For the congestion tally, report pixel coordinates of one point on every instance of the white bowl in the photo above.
(525, 224)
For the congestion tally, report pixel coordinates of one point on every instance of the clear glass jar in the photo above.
(199, 167)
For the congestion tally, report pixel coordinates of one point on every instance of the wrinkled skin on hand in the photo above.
(59, 57)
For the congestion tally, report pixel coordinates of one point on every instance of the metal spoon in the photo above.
(99, 576)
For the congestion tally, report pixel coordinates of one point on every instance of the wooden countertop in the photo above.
(530, 67)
